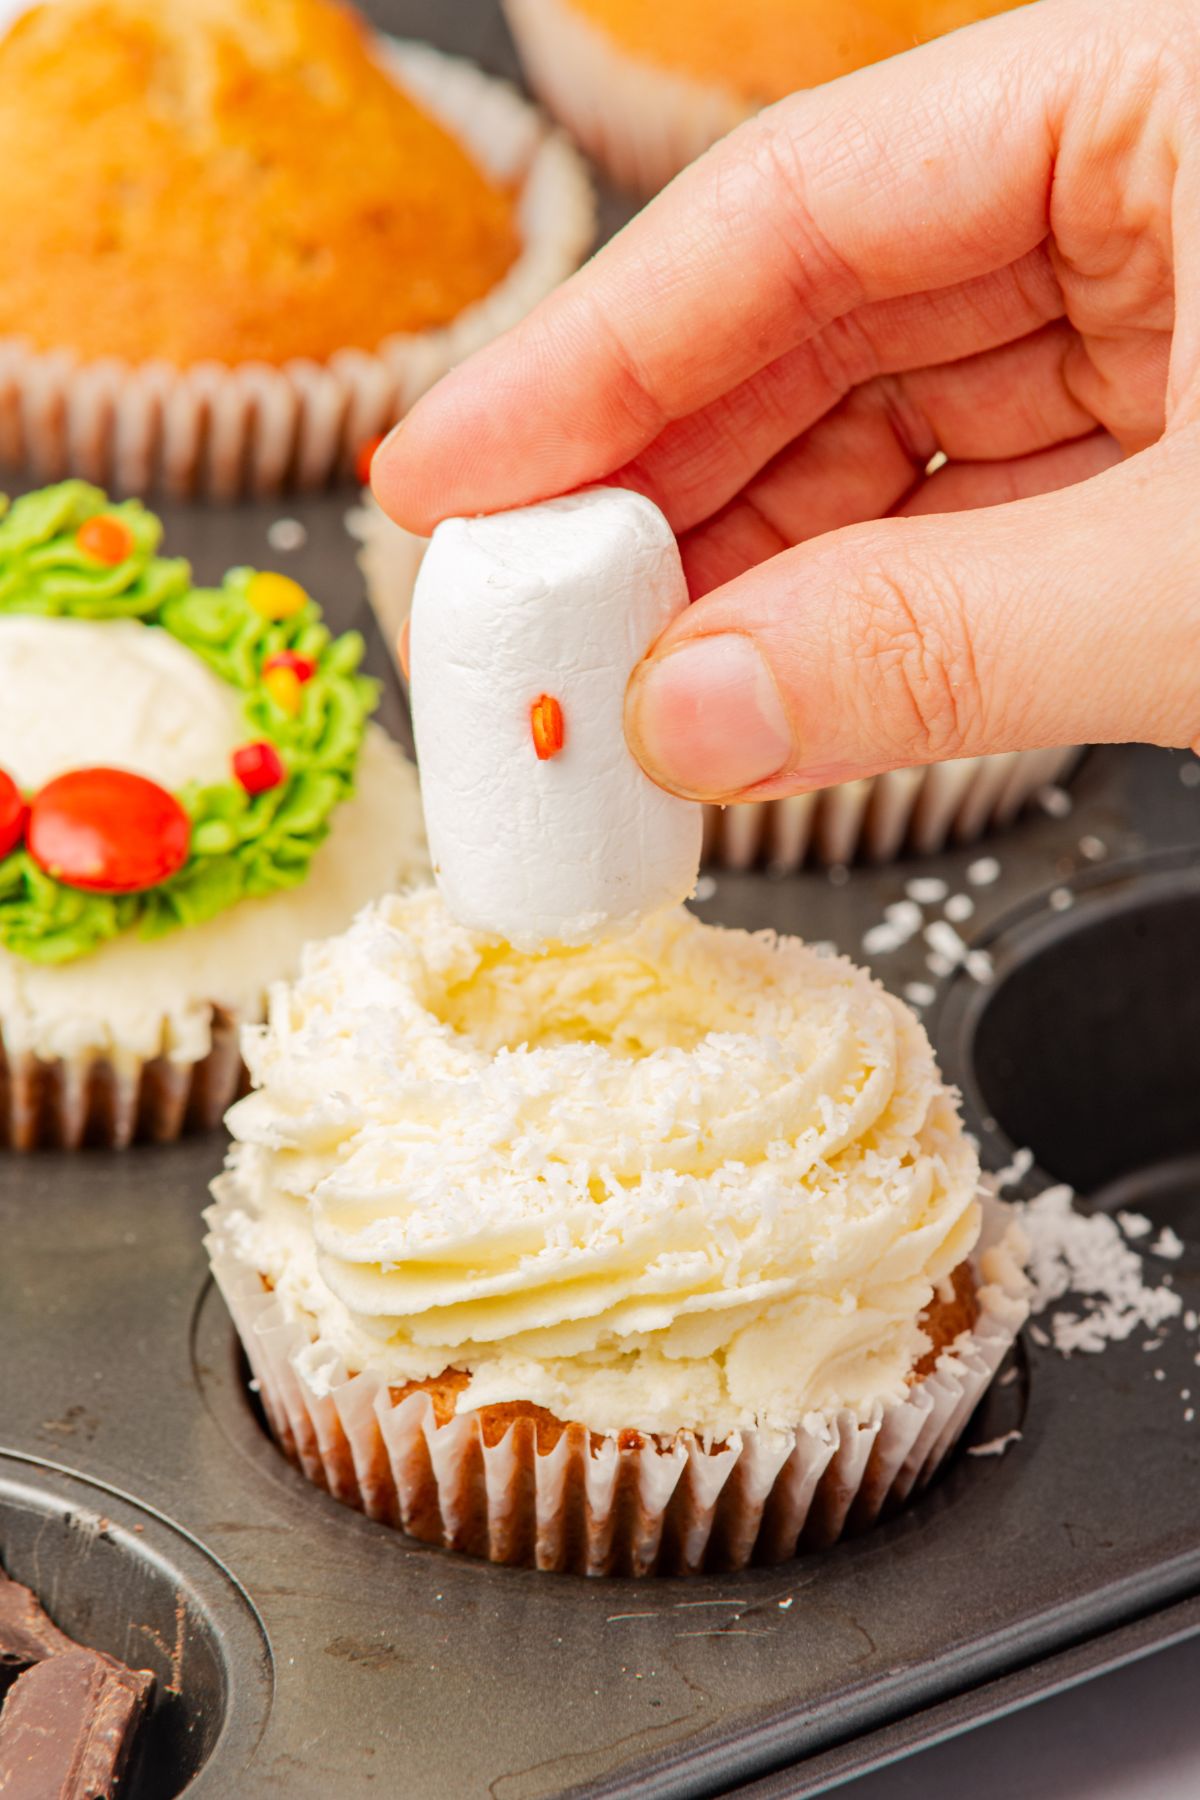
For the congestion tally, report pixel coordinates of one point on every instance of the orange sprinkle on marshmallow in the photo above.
(546, 719)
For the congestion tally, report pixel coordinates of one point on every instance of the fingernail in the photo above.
(707, 720)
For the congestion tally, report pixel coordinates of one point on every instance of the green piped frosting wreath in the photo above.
(242, 845)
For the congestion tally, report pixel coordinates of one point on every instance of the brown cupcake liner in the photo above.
(642, 124)
(112, 1100)
(607, 1504)
(220, 430)
(905, 811)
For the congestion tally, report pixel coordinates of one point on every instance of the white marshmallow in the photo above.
(562, 599)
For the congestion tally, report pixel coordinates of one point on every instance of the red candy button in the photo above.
(107, 831)
(109, 540)
(13, 811)
(258, 767)
(302, 667)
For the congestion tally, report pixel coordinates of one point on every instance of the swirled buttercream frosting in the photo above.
(690, 1178)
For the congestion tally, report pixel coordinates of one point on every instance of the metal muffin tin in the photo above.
(304, 1651)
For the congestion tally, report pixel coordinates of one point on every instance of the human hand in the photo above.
(989, 247)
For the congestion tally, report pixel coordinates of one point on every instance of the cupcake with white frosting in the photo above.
(662, 1253)
(190, 790)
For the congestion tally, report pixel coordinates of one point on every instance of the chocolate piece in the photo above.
(27, 1634)
(68, 1726)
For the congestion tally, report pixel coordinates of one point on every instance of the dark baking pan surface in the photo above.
(304, 1651)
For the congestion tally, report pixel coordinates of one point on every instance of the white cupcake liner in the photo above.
(220, 430)
(112, 1100)
(607, 1504)
(878, 819)
(642, 124)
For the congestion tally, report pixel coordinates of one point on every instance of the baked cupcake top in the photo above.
(166, 751)
(686, 1179)
(764, 49)
(229, 179)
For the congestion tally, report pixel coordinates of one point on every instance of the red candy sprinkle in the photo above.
(13, 813)
(107, 539)
(107, 831)
(302, 667)
(364, 459)
(258, 767)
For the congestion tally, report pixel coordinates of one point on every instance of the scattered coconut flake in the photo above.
(1008, 1377)
(824, 947)
(706, 887)
(1191, 1321)
(979, 967)
(983, 871)
(1061, 899)
(919, 993)
(1094, 848)
(926, 890)
(905, 915)
(881, 940)
(1189, 774)
(937, 461)
(1167, 1243)
(287, 534)
(1153, 1344)
(1160, 1375)
(1084, 1254)
(995, 1446)
(1016, 1170)
(1054, 800)
(1039, 1336)
(959, 908)
(1189, 1414)
(1134, 1225)
(940, 966)
(945, 941)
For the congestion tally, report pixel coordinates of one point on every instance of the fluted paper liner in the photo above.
(603, 1504)
(222, 429)
(878, 819)
(641, 123)
(112, 1099)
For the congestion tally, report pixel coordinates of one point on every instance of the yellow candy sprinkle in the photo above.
(275, 596)
(285, 689)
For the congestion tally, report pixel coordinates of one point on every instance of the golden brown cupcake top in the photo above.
(761, 50)
(228, 179)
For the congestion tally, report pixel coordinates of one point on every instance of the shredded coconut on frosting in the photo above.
(691, 1177)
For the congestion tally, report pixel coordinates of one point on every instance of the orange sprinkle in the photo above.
(545, 716)
(107, 539)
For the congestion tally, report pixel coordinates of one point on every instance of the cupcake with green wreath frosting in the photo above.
(191, 789)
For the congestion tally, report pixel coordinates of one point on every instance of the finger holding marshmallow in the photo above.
(526, 627)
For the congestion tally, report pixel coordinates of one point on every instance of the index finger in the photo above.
(915, 174)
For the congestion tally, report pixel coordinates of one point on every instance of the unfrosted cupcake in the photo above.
(877, 819)
(659, 1254)
(285, 227)
(646, 88)
(190, 790)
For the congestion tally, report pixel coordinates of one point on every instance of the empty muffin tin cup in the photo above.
(1086, 1048)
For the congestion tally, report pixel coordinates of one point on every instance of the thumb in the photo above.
(1071, 617)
